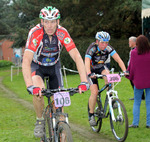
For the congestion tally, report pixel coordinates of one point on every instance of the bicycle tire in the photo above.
(120, 127)
(98, 118)
(48, 129)
(64, 133)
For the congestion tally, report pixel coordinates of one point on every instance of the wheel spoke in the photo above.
(120, 125)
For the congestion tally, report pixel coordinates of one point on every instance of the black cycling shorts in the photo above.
(96, 71)
(53, 72)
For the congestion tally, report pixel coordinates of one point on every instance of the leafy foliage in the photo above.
(81, 18)
(4, 28)
(4, 63)
(121, 47)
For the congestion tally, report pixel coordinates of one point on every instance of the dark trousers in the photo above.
(143, 97)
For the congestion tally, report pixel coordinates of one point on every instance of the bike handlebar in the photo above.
(50, 92)
(101, 75)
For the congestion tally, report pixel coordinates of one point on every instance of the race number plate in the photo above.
(62, 99)
(113, 78)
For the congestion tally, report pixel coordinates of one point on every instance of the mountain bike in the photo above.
(57, 127)
(112, 107)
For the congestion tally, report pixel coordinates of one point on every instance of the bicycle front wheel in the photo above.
(48, 129)
(64, 133)
(119, 126)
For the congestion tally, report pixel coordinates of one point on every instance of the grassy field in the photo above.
(19, 121)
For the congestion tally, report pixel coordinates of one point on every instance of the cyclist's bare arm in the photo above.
(75, 55)
(117, 58)
(87, 65)
(26, 67)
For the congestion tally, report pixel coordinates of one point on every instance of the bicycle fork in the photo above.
(110, 99)
(56, 123)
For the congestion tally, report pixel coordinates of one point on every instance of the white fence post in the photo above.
(12, 71)
(65, 76)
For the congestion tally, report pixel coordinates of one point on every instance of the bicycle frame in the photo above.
(116, 110)
(114, 95)
(56, 118)
(53, 116)
(110, 94)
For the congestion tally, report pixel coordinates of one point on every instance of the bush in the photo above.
(120, 45)
(4, 63)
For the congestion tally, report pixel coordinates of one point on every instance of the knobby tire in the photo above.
(64, 133)
(48, 129)
(120, 127)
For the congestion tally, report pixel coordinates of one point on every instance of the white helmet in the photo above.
(103, 36)
(49, 13)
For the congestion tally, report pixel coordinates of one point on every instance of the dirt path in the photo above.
(85, 133)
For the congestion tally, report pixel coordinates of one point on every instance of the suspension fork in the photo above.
(110, 99)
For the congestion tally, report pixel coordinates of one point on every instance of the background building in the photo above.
(7, 52)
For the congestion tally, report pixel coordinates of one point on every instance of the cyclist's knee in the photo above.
(38, 81)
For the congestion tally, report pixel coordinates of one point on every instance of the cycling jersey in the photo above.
(47, 52)
(97, 56)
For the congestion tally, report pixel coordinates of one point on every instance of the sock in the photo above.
(90, 114)
(40, 118)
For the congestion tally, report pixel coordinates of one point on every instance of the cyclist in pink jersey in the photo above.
(42, 58)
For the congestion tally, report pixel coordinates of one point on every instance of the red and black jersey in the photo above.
(47, 52)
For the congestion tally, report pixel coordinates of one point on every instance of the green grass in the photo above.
(77, 111)
(16, 122)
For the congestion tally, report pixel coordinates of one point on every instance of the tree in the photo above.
(23, 15)
(4, 28)
(81, 18)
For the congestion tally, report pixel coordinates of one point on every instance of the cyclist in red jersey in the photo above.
(41, 58)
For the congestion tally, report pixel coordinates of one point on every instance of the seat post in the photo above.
(47, 85)
(47, 82)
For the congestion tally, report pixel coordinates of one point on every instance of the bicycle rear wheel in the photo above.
(120, 126)
(64, 133)
(98, 119)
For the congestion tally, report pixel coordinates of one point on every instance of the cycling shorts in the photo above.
(96, 71)
(53, 72)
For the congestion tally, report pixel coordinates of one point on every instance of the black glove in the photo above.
(91, 74)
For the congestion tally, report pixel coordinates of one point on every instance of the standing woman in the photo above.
(139, 69)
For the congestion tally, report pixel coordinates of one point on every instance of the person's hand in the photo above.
(84, 86)
(91, 75)
(126, 73)
(34, 90)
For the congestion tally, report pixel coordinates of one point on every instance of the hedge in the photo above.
(120, 45)
(4, 63)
